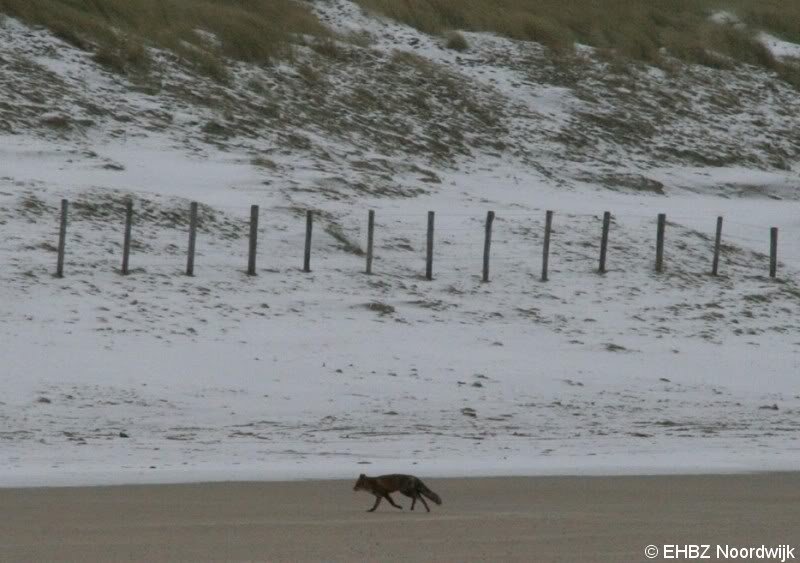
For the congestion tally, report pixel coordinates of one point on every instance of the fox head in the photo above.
(360, 484)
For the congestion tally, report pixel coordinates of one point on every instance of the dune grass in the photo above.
(200, 32)
(641, 30)
(204, 32)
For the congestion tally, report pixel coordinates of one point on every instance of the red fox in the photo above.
(408, 485)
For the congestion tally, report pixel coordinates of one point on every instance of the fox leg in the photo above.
(389, 498)
(425, 504)
(412, 494)
(374, 506)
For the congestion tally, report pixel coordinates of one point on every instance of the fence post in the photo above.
(717, 247)
(604, 241)
(126, 245)
(192, 238)
(370, 239)
(429, 255)
(662, 221)
(548, 224)
(307, 254)
(773, 252)
(487, 245)
(62, 238)
(251, 262)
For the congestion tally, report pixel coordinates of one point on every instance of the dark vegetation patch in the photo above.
(201, 34)
(637, 30)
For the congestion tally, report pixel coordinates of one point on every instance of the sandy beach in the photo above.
(492, 519)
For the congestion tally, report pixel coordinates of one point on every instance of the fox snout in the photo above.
(360, 482)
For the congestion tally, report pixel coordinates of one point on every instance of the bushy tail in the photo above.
(429, 494)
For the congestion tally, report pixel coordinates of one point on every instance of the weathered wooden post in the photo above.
(370, 239)
(604, 241)
(126, 245)
(429, 255)
(307, 254)
(548, 224)
(487, 245)
(192, 238)
(62, 238)
(773, 252)
(251, 262)
(662, 222)
(717, 248)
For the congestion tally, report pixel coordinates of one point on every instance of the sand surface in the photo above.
(493, 519)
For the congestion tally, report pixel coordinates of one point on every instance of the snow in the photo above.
(779, 47)
(274, 407)
(157, 377)
(723, 17)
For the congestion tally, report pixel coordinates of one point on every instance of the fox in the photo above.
(408, 485)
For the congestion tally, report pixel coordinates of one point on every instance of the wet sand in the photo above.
(493, 519)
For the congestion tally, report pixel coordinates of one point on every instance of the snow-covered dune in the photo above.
(157, 377)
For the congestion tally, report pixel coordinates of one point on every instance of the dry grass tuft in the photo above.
(454, 40)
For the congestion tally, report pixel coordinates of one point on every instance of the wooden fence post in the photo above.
(487, 245)
(370, 239)
(773, 252)
(604, 241)
(62, 238)
(717, 248)
(192, 238)
(548, 224)
(126, 245)
(429, 254)
(251, 262)
(307, 254)
(662, 221)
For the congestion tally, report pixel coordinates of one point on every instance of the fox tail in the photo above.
(429, 494)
